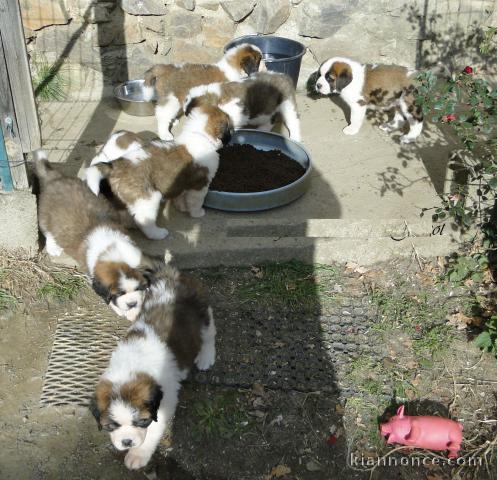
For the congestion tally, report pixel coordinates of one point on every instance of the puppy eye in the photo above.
(142, 287)
(110, 427)
(143, 422)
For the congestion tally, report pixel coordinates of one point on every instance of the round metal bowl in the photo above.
(256, 201)
(130, 96)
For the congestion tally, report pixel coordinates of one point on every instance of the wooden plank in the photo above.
(10, 133)
(19, 74)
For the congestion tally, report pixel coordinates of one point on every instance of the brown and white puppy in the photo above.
(137, 394)
(170, 84)
(89, 229)
(373, 86)
(254, 102)
(141, 174)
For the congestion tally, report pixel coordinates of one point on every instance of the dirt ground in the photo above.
(423, 357)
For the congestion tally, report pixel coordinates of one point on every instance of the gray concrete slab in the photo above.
(364, 189)
(18, 223)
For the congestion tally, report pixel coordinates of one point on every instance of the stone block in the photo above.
(269, 15)
(238, 10)
(145, 7)
(186, 4)
(322, 18)
(38, 14)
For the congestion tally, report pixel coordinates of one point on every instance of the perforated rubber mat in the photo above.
(84, 340)
(289, 352)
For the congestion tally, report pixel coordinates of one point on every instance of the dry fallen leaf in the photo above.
(339, 409)
(258, 273)
(355, 267)
(459, 320)
(258, 389)
(278, 471)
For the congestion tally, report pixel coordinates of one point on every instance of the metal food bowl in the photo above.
(130, 96)
(257, 201)
(280, 54)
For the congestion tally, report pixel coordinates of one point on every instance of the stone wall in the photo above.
(99, 42)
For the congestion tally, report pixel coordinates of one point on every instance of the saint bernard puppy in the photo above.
(89, 229)
(141, 174)
(136, 396)
(169, 84)
(254, 102)
(373, 86)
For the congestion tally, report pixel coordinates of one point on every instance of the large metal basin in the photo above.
(130, 96)
(256, 201)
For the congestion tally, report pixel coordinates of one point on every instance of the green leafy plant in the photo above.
(49, 82)
(465, 267)
(292, 283)
(487, 340)
(221, 416)
(62, 287)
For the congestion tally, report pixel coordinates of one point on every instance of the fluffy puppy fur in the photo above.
(169, 84)
(89, 229)
(142, 174)
(137, 395)
(255, 102)
(373, 86)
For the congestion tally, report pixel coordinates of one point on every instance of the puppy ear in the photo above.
(154, 400)
(95, 411)
(250, 64)
(150, 267)
(101, 400)
(190, 104)
(226, 132)
(101, 289)
(343, 79)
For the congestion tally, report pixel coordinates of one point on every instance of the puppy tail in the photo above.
(43, 169)
(95, 174)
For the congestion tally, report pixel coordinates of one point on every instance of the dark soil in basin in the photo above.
(245, 169)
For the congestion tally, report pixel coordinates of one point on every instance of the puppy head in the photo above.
(246, 59)
(121, 286)
(334, 76)
(204, 114)
(126, 410)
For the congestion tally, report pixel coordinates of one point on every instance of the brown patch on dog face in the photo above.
(107, 279)
(144, 394)
(339, 76)
(245, 59)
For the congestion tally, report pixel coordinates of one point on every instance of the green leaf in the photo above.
(484, 341)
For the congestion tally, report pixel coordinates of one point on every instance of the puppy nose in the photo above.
(132, 305)
(127, 442)
(318, 84)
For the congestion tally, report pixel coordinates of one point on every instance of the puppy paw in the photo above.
(197, 213)
(206, 358)
(406, 139)
(136, 458)
(350, 130)
(386, 127)
(155, 233)
(54, 250)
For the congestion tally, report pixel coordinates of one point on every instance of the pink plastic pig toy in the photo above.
(432, 433)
